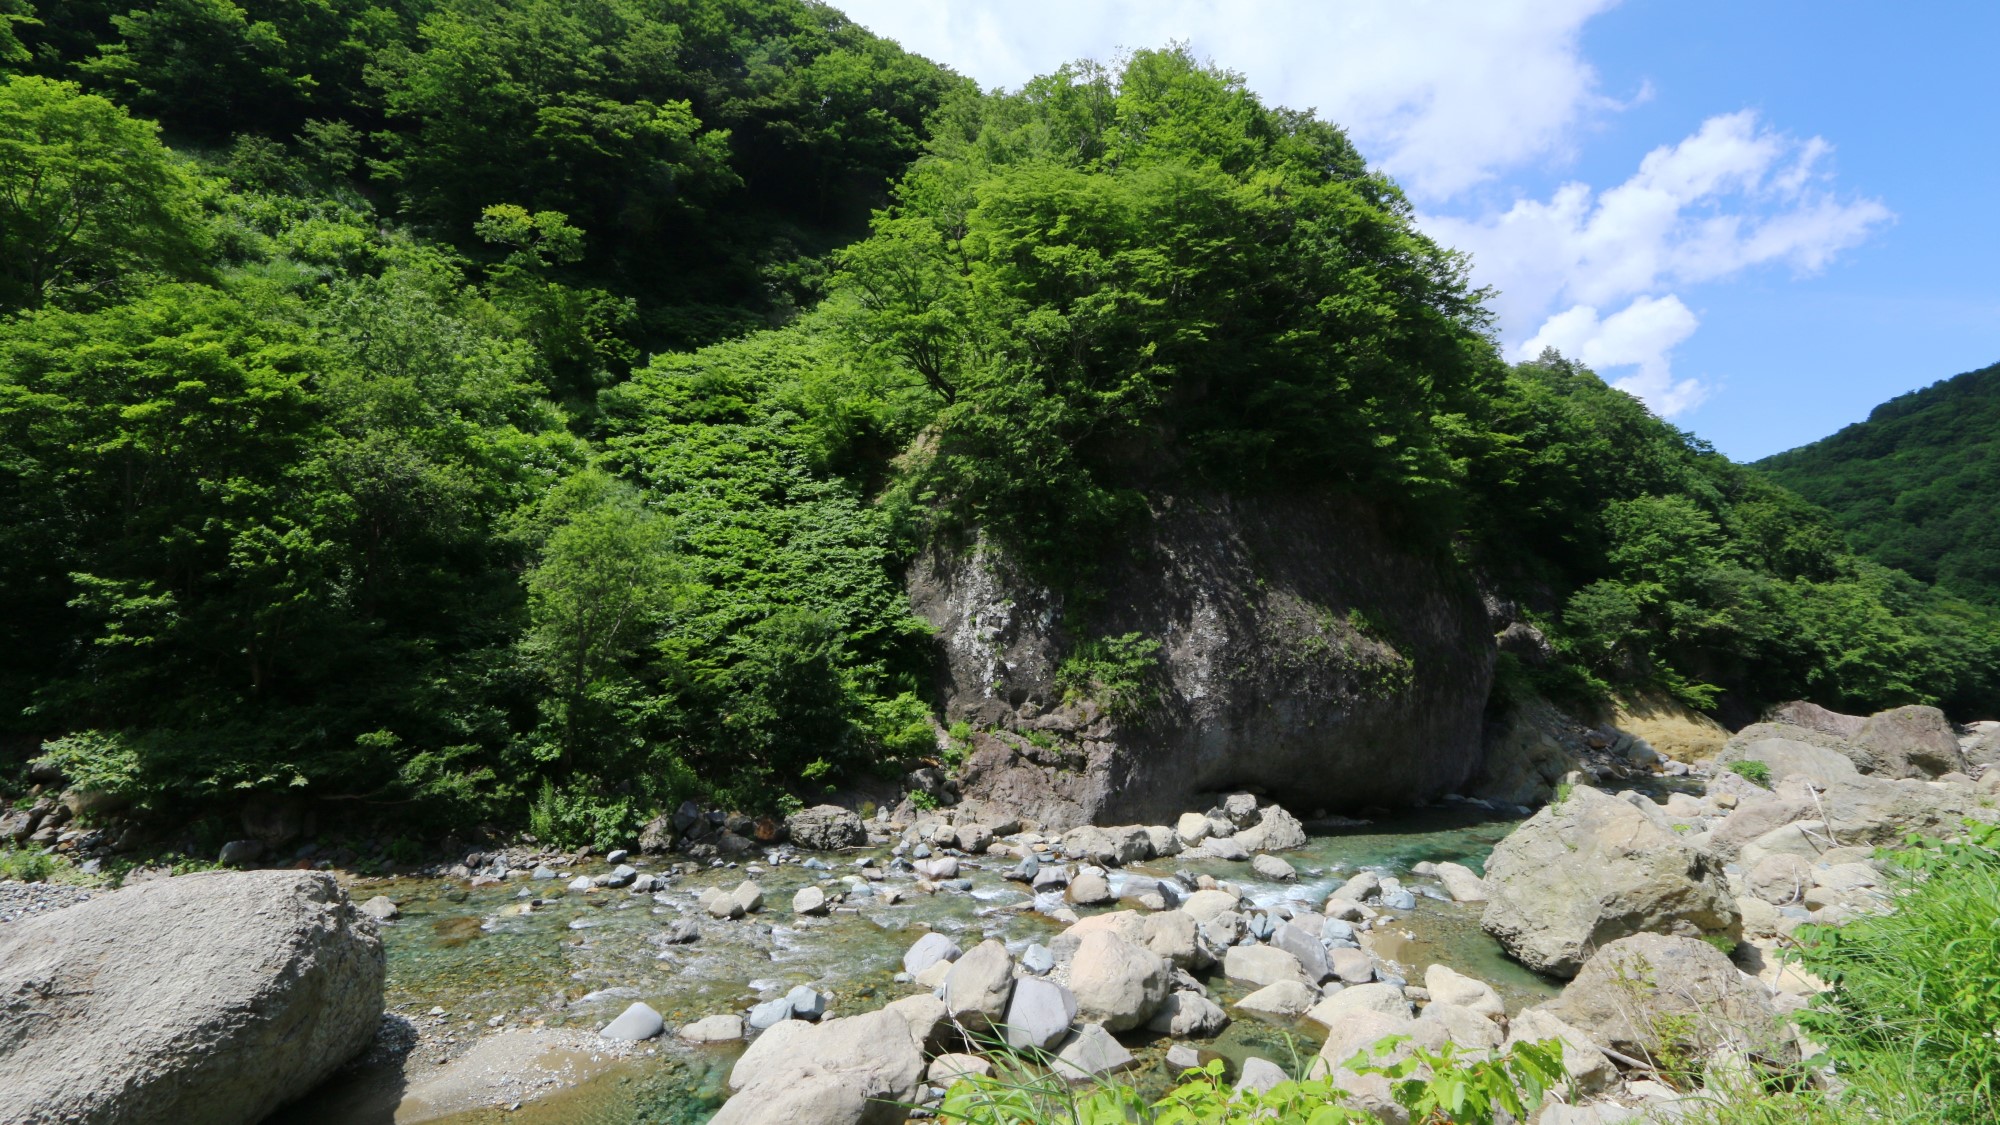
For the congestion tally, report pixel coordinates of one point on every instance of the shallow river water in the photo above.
(489, 960)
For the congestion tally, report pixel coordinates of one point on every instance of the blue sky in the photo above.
(1764, 218)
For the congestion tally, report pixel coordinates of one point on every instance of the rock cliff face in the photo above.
(1302, 651)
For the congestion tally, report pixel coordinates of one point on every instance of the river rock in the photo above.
(213, 997)
(1382, 998)
(1647, 993)
(1272, 868)
(1595, 868)
(1352, 966)
(1462, 1025)
(809, 900)
(1908, 742)
(1259, 965)
(974, 838)
(1117, 983)
(1091, 1053)
(1275, 831)
(1260, 1075)
(1286, 998)
(1460, 883)
(1359, 888)
(1039, 1014)
(1192, 828)
(1449, 986)
(240, 853)
(1583, 1059)
(1037, 959)
(382, 908)
(851, 1071)
(947, 1069)
(1089, 888)
(636, 1023)
(1779, 878)
(1305, 944)
(713, 1029)
(928, 950)
(1203, 906)
(1789, 757)
(978, 986)
(825, 828)
(770, 1013)
(1189, 1015)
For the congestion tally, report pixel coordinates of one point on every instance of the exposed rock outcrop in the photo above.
(1303, 651)
(1797, 737)
(214, 997)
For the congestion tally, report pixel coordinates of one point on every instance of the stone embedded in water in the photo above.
(620, 876)
(928, 950)
(1261, 1075)
(714, 1029)
(580, 884)
(770, 1013)
(1182, 1057)
(1026, 870)
(542, 871)
(636, 1023)
(1305, 945)
(1338, 933)
(807, 1002)
(616, 856)
(381, 908)
(1272, 868)
(809, 900)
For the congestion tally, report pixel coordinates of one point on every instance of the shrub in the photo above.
(25, 866)
(1755, 772)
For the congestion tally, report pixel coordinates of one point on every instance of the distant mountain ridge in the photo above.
(1917, 485)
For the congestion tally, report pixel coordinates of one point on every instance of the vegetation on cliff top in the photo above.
(486, 404)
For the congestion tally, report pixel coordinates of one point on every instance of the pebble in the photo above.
(21, 900)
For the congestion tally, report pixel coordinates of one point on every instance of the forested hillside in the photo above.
(508, 409)
(1915, 486)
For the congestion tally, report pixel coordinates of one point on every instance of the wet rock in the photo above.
(213, 997)
(1260, 1075)
(748, 896)
(809, 900)
(1595, 868)
(620, 876)
(637, 1022)
(382, 908)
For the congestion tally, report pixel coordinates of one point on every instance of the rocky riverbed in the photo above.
(709, 976)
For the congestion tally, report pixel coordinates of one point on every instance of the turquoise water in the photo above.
(490, 958)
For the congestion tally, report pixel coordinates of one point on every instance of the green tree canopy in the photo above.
(90, 201)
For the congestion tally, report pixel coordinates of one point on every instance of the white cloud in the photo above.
(1733, 196)
(1641, 335)
(1443, 94)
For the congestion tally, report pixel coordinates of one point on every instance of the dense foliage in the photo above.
(1651, 559)
(353, 441)
(1914, 485)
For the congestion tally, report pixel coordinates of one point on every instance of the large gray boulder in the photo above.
(1790, 757)
(1904, 742)
(1653, 995)
(978, 987)
(1117, 983)
(825, 828)
(852, 1071)
(214, 997)
(1595, 868)
(1908, 742)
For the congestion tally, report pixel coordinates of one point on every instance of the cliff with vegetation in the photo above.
(543, 413)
